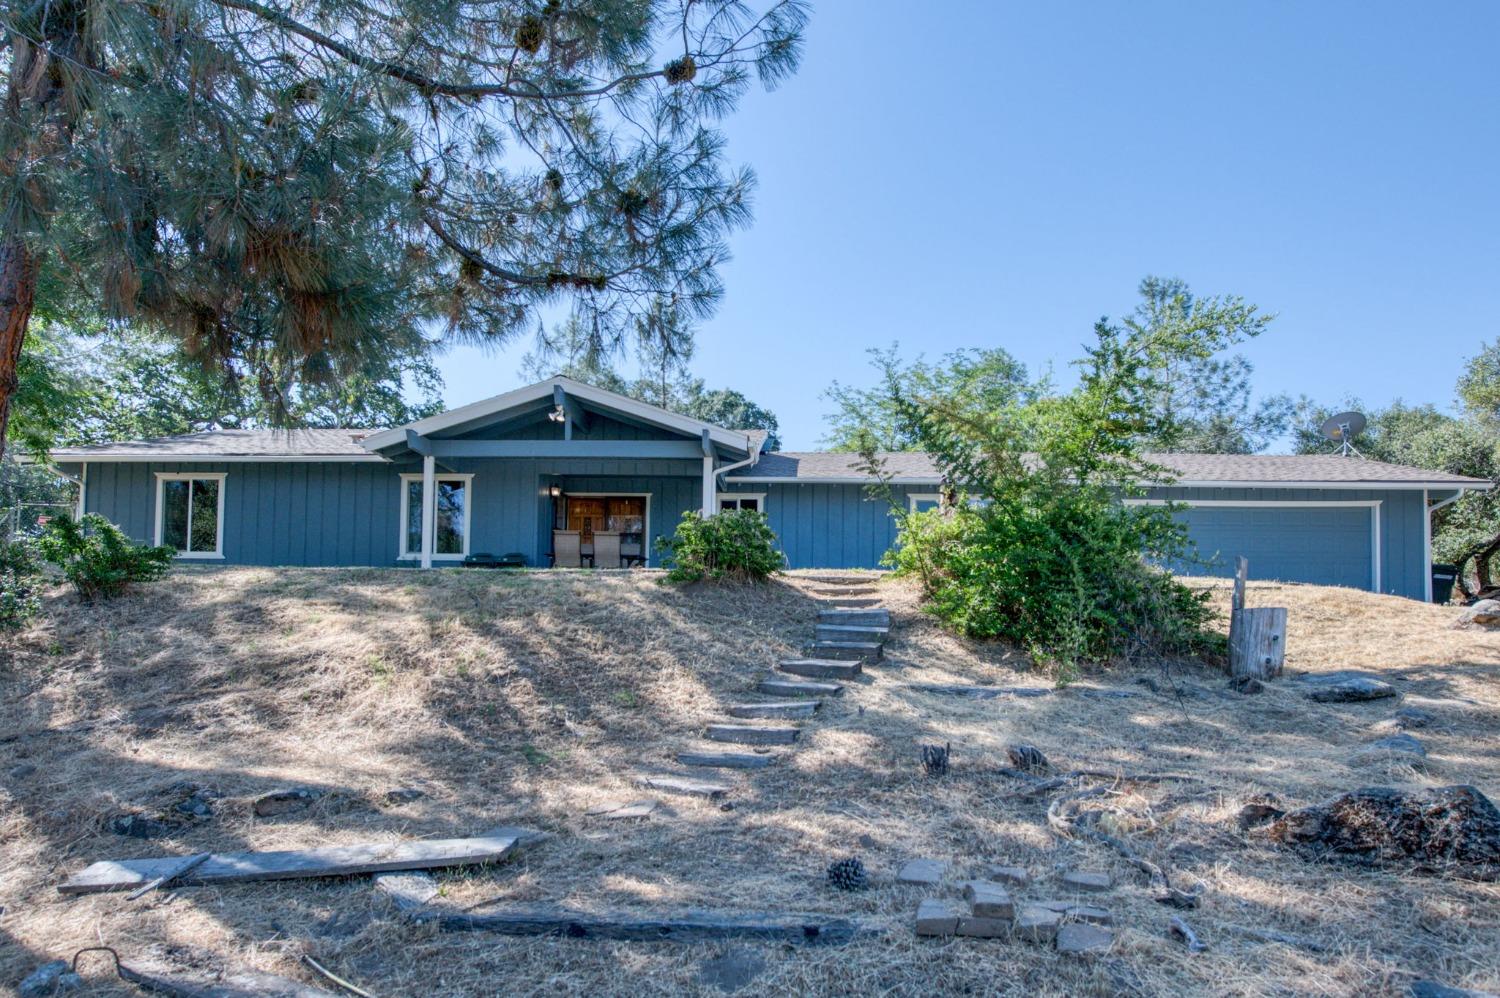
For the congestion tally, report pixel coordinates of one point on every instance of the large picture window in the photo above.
(190, 514)
(450, 537)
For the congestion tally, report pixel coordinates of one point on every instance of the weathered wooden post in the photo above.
(1257, 638)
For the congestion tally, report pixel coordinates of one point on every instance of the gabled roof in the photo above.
(520, 398)
(231, 445)
(1216, 470)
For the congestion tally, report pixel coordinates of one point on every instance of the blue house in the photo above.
(563, 472)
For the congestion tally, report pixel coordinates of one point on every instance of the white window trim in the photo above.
(162, 477)
(646, 551)
(759, 497)
(913, 498)
(405, 555)
(1373, 505)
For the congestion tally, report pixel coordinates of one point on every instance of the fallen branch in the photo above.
(684, 926)
(334, 978)
(250, 984)
(1285, 938)
(1179, 929)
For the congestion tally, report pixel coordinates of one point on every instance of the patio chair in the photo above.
(606, 549)
(567, 551)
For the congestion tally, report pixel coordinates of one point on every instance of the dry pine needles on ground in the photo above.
(530, 699)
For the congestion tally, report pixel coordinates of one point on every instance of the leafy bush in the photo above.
(20, 584)
(1036, 546)
(734, 544)
(97, 557)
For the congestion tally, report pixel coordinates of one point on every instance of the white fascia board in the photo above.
(763, 480)
(1384, 485)
(543, 389)
(117, 457)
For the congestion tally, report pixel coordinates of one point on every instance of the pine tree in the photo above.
(278, 186)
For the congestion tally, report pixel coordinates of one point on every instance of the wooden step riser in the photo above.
(855, 618)
(841, 632)
(792, 688)
(773, 710)
(744, 734)
(686, 786)
(840, 580)
(846, 652)
(852, 602)
(843, 593)
(820, 668)
(724, 760)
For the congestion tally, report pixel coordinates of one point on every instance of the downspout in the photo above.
(754, 456)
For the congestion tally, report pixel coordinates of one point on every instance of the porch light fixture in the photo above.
(555, 491)
(557, 415)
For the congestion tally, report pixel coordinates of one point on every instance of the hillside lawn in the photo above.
(525, 699)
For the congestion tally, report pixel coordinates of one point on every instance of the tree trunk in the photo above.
(18, 274)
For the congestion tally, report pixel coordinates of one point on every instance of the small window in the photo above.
(190, 514)
(921, 502)
(730, 500)
(450, 538)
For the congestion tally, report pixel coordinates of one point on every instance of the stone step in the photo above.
(851, 601)
(725, 760)
(868, 652)
(820, 668)
(878, 617)
(843, 592)
(751, 734)
(851, 632)
(841, 580)
(792, 709)
(774, 686)
(668, 783)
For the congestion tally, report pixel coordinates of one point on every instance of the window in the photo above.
(921, 502)
(736, 500)
(190, 514)
(450, 536)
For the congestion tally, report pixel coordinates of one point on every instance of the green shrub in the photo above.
(20, 584)
(97, 557)
(734, 544)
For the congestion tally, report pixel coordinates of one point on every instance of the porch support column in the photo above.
(710, 499)
(429, 511)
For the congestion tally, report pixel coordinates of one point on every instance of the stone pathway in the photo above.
(850, 633)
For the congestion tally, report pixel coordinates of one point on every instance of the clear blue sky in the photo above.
(1001, 174)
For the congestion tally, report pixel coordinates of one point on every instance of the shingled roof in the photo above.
(230, 444)
(915, 468)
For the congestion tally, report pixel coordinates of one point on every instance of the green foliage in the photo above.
(1479, 386)
(21, 584)
(97, 557)
(285, 189)
(867, 418)
(1037, 547)
(733, 545)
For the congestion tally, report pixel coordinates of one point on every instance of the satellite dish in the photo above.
(1343, 428)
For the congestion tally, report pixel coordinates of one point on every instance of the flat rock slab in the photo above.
(820, 668)
(791, 688)
(927, 872)
(1009, 875)
(1088, 880)
(684, 785)
(1435, 989)
(852, 601)
(854, 651)
(1399, 744)
(329, 861)
(988, 899)
(878, 617)
(936, 917)
(1345, 686)
(1037, 923)
(981, 927)
(1078, 912)
(750, 734)
(1082, 939)
(773, 709)
(725, 760)
(683, 926)
(407, 890)
(623, 809)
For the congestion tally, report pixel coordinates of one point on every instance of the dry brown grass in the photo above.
(526, 699)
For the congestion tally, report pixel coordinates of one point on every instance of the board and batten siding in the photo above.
(829, 526)
(1403, 569)
(348, 513)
